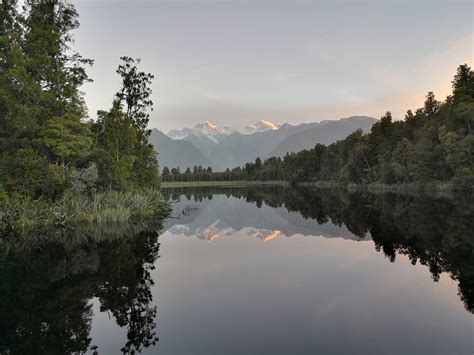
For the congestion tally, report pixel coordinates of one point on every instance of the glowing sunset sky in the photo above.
(235, 62)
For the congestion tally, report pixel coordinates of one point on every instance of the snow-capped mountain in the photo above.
(209, 129)
(216, 134)
(224, 147)
(260, 126)
(205, 129)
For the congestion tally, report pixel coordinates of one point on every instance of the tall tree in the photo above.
(50, 59)
(126, 158)
(134, 97)
(431, 105)
(40, 92)
(463, 77)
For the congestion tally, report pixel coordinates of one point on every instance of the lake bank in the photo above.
(434, 188)
(440, 189)
(236, 183)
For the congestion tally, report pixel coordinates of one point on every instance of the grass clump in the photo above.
(102, 207)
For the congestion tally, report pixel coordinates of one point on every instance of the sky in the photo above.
(233, 62)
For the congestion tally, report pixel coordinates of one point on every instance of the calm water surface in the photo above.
(266, 271)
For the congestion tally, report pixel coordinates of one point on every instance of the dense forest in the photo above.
(48, 146)
(433, 144)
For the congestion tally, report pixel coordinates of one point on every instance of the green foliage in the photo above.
(134, 96)
(3, 194)
(45, 141)
(67, 139)
(42, 107)
(125, 158)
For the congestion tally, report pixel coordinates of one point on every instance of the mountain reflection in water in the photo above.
(61, 291)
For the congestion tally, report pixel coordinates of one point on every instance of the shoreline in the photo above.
(441, 189)
(236, 183)
(437, 189)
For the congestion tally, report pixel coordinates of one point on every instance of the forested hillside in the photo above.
(433, 144)
(436, 143)
(47, 144)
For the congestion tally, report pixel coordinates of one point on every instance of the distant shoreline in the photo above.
(237, 183)
(376, 187)
(434, 189)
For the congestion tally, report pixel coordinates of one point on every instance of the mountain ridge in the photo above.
(334, 131)
(176, 153)
(222, 148)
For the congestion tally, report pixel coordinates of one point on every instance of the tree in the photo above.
(125, 157)
(10, 32)
(463, 100)
(166, 174)
(463, 77)
(10, 57)
(67, 139)
(44, 135)
(42, 108)
(49, 58)
(134, 96)
(175, 173)
(431, 105)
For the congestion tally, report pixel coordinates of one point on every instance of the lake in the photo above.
(268, 270)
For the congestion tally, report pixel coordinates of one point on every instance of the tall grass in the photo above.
(103, 207)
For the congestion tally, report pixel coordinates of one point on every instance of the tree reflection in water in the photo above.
(47, 282)
(434, 231)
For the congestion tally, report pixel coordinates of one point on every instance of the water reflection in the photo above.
(436, 232)
(52, 282)
(47, 282)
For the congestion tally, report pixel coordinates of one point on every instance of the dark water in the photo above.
(250, 271)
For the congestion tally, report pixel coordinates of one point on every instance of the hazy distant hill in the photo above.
(237, 149)
(177, 153)
(326, 132)
(200, 146)
(202, 143)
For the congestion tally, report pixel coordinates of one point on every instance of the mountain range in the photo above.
(177, 153)
(221, 147)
